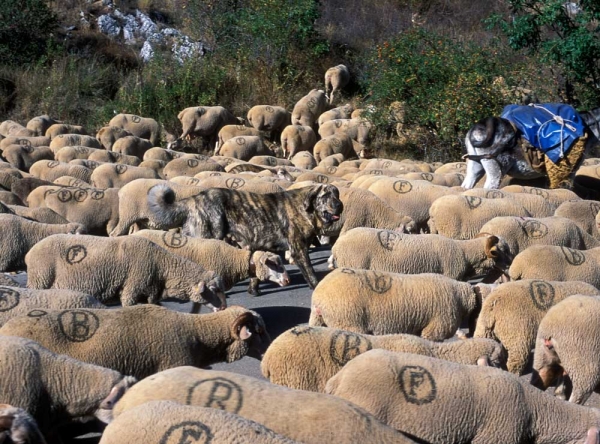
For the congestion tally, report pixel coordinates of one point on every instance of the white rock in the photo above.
(147, 53)
(108, 25)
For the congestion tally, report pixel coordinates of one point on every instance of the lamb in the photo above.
(335, 144)
(143, 127)
(16, 302)
(232, 264)
(52, 170)
(335, 79)
(566, 346)
(380, 303)
(112, 339)
(38, 125)
(523, 232)
(244, 148)
(108, 135)
(59, 129)
(269, 118)
(283, 410)
(305, 358)
(231, 131)
(18, 427)
(384, 250)
(42, 383)
(583, 213)
(63, 140)
(462, 217)
(134, 212)
(341, 112)
(558, 263)
(113, 157)
(171, 420)
(113, 269)
(132, 146)
(111, 175)
(23, 157)
(297, 138)
(440, 401)
(308, 109)
(511, 313)
(19, 235)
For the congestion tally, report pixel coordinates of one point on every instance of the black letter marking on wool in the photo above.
(312, 102)
(192, 163)
(387, 164)
(417, 384)
(9, 299)
(573, 257)
(376, 173)
(494, 194)
(52, 163)
(297, 331)
(269, 109)
(322, 179)
(388, 239)
(78, 325)
(402, 186)
(120, 168)
(217, 393)
(331, 170)
(348, 271)
(76, 254)
(136, 119)
(346, 346)
(64, 195)
(174, 240)
(188, 432)
(25, 142)
(540, 192)
(233, 183)
(215, 174)
(98, 195)
(542, 294)
(534, 229)
(378, 282)
(240, 141)
(473, 201)
(80, 195)
(427, 176)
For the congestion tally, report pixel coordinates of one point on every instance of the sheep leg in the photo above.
(518, 356)
(582, 389)
(435, 332)
(253, 287)
(195, 308)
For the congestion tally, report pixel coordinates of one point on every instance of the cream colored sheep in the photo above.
(53, 169)
(59, 129)
(185, 166)
(63, 140)
(231, 131)
(357, 129)
(304, 160)
(512, 312)
(113, 157)
(244, 148)
(69, 153)
(272, 119)
(341, 112)
(23, 157)
(440, 401)
(38, 125)
(308, 109)
(203, 121)
(380, 303)
(297, 138)
(132, 146)
(335, 79)
(283, 410)
(108, 135)
(112, 269)
(110, 175)
(583, 213)
(24, 141)
(143, 127)
(536, 205)
(335, 144)
(305, 358)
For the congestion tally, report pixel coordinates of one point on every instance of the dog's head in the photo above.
(324, 201)
(492, 134)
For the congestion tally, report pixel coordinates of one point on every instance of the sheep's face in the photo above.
(250, 337)
(324, 201)
(269, 267)
(496, 261)
(211, 292)
(104, 412)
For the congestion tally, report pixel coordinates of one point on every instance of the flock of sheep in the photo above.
(372, 365)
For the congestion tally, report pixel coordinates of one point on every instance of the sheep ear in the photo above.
(245, 333)
(200, 287)
(483, 361)
(592, 436)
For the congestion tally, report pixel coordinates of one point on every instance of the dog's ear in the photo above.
(311, 196)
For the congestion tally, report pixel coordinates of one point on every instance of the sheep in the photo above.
(269, 118)
(341, 112)
(18, 427)
(522, 232)
(363, 209)
(170, 421)
(70, 153)
(59, 129)
(96, 209)
(335, 79)
(36, 198)
(112, 339)
(558, 263)
(185, 166)
(156, 165)
(583, 213)
(70, 181)
(335, 144)
(235, 182)
(440, 401)
(511, 313)
(89, 164)
(567, 346)
(536, 205)
(132, 146)
(269, 161)
(232, 264)
(244, 148)
(23, 157)
(38, 125)
(357, 129)
(461, 217)
(446, 180)
(63, 140)
(113, 157)
(379, 303)
(108, 135)
(134, 213)
(452, 167)
(7, 281)
(52, 170)
(297, 138)
(305, 358)
(555, 197)
(9, 198)
(283, 410)
(231, 131)
(42, 215)
(143, 127)
(16, 302)
(308, 109)
(43, 384)
(112, 269)
(384, 250)
(24, 141)
(111, 175)
(19, 235)
(333, 161)
(12, 128)
(203, 121)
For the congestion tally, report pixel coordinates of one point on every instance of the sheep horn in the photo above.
(491, 247)
(240, 322)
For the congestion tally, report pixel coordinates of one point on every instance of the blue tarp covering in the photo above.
(539, 126)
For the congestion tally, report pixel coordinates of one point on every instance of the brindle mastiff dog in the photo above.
(275, 222)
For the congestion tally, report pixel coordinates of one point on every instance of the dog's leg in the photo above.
(493, 173)
(475, 172)
(299, 253)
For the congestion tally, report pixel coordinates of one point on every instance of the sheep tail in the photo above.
(166, 211)
(316, 318)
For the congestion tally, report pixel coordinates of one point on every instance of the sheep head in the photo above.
(269, 267)
(250, 336)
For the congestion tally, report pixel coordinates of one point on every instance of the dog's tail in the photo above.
(166, 211)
